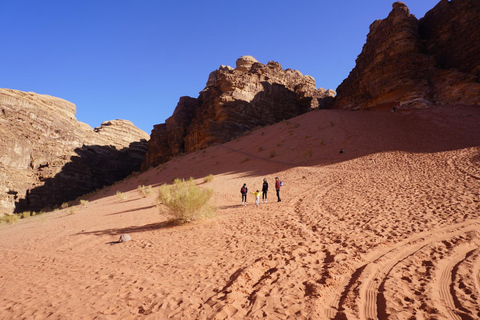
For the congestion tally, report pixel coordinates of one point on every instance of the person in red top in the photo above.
(277, 187)
(244, 191)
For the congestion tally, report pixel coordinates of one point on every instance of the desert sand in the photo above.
(390, 229)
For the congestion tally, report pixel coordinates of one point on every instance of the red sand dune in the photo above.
(388, 229)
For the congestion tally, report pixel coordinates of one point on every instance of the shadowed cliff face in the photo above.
(233, 102)
(409, 63)
(39, 136)
(92, 167)
(451, 31)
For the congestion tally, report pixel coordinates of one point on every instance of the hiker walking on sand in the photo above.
(264, 190)
(257, 198)
(244, 191)
(278, 184)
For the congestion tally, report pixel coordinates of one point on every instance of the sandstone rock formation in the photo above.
(450, 32)
(47, 157)
(410, 63)
(233, 102)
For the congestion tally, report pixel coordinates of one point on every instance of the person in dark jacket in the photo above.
(277, 187)
(264, 190)
(244, 191)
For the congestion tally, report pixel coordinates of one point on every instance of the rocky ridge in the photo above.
(411, 63)
(48, 157)
(235, 100)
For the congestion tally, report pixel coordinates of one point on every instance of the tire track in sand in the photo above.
(476, 274)
(278, 284)
(449, 304)
(369, 277)
(464, 162)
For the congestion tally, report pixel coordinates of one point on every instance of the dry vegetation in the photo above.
(145, 191)
(186, 201)
(208, 178)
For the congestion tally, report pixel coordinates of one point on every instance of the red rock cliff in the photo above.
(410, 63)
(451, 33)
(234, 101)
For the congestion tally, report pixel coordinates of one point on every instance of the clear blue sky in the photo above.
(118, 59)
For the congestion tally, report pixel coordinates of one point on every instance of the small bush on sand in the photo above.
(145, 191)
(209, 178)
(9, 218)
(120, 195)
(186, 201)
(46, 209)
(64, 205)
(25, 214)
(307, 154)
(83, 202)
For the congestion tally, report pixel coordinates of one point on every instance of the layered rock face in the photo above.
(47, 157)
(233, 102)
(450, 32)
(413, 64)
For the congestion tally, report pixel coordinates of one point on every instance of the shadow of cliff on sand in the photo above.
(316, 138)
(311, 139)
(92, 168)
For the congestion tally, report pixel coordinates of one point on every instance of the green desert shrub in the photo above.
(9, 218)
(145, 191)
(208, 178)
(308, 153)
(120, 195)
(25, 214)
(245, 159)
(45, 210)
(186, 201)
